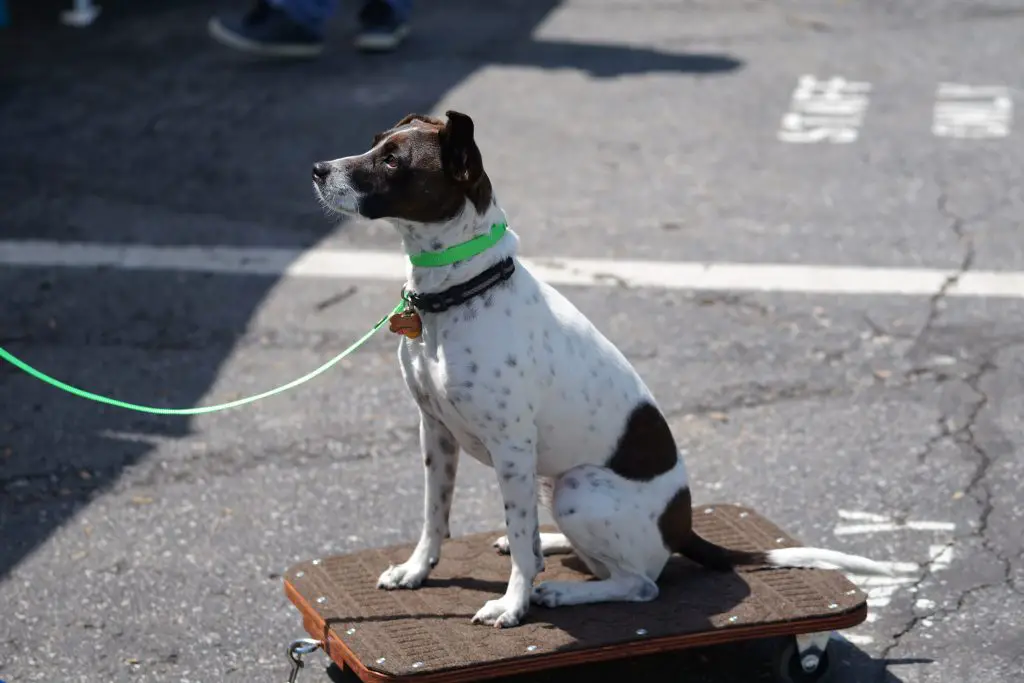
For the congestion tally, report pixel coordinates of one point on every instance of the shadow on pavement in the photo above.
(140, 130)
(747, 661)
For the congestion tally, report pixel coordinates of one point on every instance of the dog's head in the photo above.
(422, 169)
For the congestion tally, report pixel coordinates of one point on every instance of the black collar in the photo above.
(461, 293)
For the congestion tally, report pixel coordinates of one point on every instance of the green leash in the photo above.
(81, 393)
(459, 252)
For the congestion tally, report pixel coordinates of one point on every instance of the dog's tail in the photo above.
(714, 556)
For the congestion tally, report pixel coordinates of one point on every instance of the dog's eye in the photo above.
(391, 161)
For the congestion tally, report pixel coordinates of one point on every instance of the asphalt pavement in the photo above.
(148, 548)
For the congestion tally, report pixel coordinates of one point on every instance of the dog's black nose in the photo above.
(321, 170)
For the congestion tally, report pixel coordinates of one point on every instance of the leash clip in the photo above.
(296, 651)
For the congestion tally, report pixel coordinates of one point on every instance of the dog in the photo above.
(506, 369)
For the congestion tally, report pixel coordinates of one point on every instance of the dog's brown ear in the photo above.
(459, 153)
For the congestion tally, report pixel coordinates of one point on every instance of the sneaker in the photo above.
(266, 30)
(380, 28)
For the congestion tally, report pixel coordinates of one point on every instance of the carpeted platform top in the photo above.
(398, 634)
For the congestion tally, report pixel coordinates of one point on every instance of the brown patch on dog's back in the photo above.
(646, 447)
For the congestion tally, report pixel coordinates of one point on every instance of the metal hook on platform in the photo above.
(296, 651)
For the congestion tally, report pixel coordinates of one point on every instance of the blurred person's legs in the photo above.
(383, 24)
(295, 28)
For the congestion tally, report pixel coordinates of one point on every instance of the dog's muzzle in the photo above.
(332, 186)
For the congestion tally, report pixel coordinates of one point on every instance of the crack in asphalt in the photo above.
(757, 395)
(965, 436)
(977, 487)
(926, 573)
(962, 435)
(705, 298)
(938, 300)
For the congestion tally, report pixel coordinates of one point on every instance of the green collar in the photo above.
(459, 252)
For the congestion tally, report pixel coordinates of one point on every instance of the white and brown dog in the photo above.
(508, 370)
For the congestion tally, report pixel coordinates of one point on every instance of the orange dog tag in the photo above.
(407, 323)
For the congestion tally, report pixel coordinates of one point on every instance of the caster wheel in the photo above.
(789, 668)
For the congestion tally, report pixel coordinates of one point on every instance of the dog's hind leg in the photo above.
(550, 543)
(624, 588)
(612, 524)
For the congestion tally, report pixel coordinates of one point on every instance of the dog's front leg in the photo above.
(440, 460)
(515, 462)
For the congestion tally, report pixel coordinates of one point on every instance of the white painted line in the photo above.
(901, 567)
(390, 267)
(881, 589)
(941, 556)
(972, 112)
(982, 283)
(863, 516)
(881, 585)
(227, 260)
(829, 110)
(848, 529)
(871, 582)
(734, 276)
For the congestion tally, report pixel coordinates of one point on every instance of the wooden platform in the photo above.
(426, 634)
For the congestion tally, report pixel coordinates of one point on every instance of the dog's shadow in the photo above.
(749, 661)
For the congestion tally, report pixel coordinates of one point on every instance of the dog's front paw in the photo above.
(407, 575)
(548, 594)
(501, 613)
